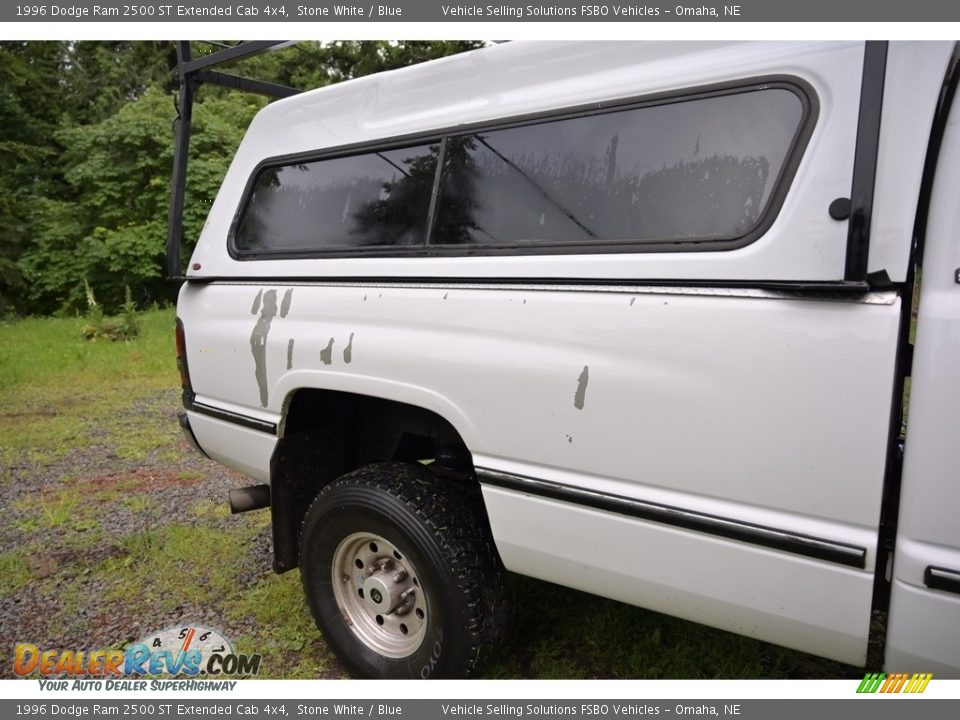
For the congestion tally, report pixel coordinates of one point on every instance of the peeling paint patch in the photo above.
(445, 296)
(258, 340)
(285, 303)
(290, 354)
(570, 439)
(581, 393)
(326, 355)
(633, 300)
(348, 351)
(256, 303)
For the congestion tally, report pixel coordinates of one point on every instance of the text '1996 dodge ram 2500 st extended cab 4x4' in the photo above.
(633, 318)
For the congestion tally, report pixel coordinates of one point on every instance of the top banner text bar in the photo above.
(218, 11)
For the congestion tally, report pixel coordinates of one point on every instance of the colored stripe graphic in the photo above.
(871, 682)
(919, 682)
(895, 683)
(890, 683)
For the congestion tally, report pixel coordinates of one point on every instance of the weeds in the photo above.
(58, 510)
(54, 510)
(176, 564)
(140, 546)
(139, 503)
(126, 327)
(210, 510)
(14, 573)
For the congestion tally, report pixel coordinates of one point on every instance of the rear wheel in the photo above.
(400, 572)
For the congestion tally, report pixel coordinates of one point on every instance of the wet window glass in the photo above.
(693, 170)
(368, 200)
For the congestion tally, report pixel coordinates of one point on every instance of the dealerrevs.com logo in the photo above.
(184, 651)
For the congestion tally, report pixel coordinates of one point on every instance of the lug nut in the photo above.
(400, 576)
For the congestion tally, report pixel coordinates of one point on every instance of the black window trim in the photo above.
(798, 86)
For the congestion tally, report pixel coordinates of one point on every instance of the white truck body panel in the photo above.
(915, 71)
(788, 367)
(924, 626)
(788, 600)
(651, 392)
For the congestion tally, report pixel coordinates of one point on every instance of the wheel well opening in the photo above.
(325, 434)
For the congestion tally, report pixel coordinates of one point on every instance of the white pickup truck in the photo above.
(634, 318)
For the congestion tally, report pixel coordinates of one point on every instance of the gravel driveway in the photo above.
(83, 537)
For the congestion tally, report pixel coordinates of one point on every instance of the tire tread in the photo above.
(453, 512)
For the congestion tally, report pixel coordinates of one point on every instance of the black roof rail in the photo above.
(192, 74)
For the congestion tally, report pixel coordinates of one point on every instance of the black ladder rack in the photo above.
(193, 73)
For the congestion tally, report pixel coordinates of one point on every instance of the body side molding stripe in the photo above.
(786, 541)
(232, 417)
(937, 578)
(773, 290)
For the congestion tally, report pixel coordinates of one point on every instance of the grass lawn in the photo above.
(114, 528)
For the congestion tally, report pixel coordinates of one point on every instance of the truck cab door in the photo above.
(924, 623)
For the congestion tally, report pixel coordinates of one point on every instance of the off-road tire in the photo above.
(441, 528)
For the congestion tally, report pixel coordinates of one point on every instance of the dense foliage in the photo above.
(86, 149)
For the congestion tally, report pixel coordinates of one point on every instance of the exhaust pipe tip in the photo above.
(252, 497)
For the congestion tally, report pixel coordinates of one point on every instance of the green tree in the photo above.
(46, 87)
(119, 168)
(87, 149)
(30, 76)
(100, 77)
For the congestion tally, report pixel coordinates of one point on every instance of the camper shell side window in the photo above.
(703, 170)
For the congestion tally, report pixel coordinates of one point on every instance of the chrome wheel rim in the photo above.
(379, 595)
